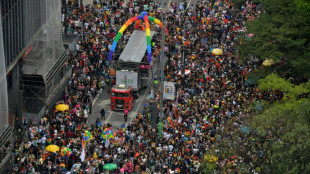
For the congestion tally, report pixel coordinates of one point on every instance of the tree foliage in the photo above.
(279, 138)
(282, 33)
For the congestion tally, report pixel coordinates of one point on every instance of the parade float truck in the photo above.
(132, 68)
(121, 97)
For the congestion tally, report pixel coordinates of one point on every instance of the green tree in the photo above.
(282, 33)
(279, 138)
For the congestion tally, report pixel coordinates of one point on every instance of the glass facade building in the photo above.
(12, 29)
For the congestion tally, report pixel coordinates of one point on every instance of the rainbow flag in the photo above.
(170, 121)
(170, 115)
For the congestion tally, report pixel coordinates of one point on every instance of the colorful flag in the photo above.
(160, 129)
(107, 142)
(171, 116)
(170, 121)
(82, 156)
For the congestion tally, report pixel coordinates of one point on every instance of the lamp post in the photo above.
(162, 62)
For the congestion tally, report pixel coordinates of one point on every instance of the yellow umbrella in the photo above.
(217, 51)
(211, 158)
(62, 107)
(268, 62)
(52, 148)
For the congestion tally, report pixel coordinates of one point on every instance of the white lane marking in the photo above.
(96, 99)
(188, 4)
(106, 122)
(141, 100)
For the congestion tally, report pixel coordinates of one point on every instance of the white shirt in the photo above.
(43, 140)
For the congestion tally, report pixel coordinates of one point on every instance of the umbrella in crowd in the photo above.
(217, 51)
(62, 107)
(211, 158)
(110, 166)
(268, 62)
(52, 148)
(245, 129)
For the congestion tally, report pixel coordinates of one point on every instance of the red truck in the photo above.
(121, 97)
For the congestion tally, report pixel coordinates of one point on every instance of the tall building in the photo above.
(33, 71)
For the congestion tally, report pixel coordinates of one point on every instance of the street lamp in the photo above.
(162, 62)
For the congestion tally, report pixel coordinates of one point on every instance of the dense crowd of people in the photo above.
(212, 92)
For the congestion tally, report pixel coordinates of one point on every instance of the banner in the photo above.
(169, 90)
(127, 78)
(160, 129)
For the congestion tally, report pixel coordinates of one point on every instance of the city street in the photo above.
(116, 118)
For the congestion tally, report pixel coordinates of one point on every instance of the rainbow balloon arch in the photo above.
(143, 16)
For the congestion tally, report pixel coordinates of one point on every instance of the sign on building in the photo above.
(127, 78)
(169, 89)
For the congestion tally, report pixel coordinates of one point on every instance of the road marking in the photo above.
(188, 4)
(142, 100)
(106, 122)
(96, 99)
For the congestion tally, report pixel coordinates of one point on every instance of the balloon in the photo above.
(137, 24)
(128, 22)
(149, 47)
(114, 44)
(151, 18)
(143, 16)
(110, 56)
(148, 32)
(122, 29)
(134, 18)
(144, 13)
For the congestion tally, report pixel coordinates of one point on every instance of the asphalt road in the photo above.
(116, 118)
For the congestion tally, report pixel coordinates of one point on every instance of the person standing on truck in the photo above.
(125, 114)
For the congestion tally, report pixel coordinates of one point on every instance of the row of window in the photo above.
(12, 28)
(6, 5)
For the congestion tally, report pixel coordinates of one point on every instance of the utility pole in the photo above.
(82, 14)
(183, 69)
(162, 62)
